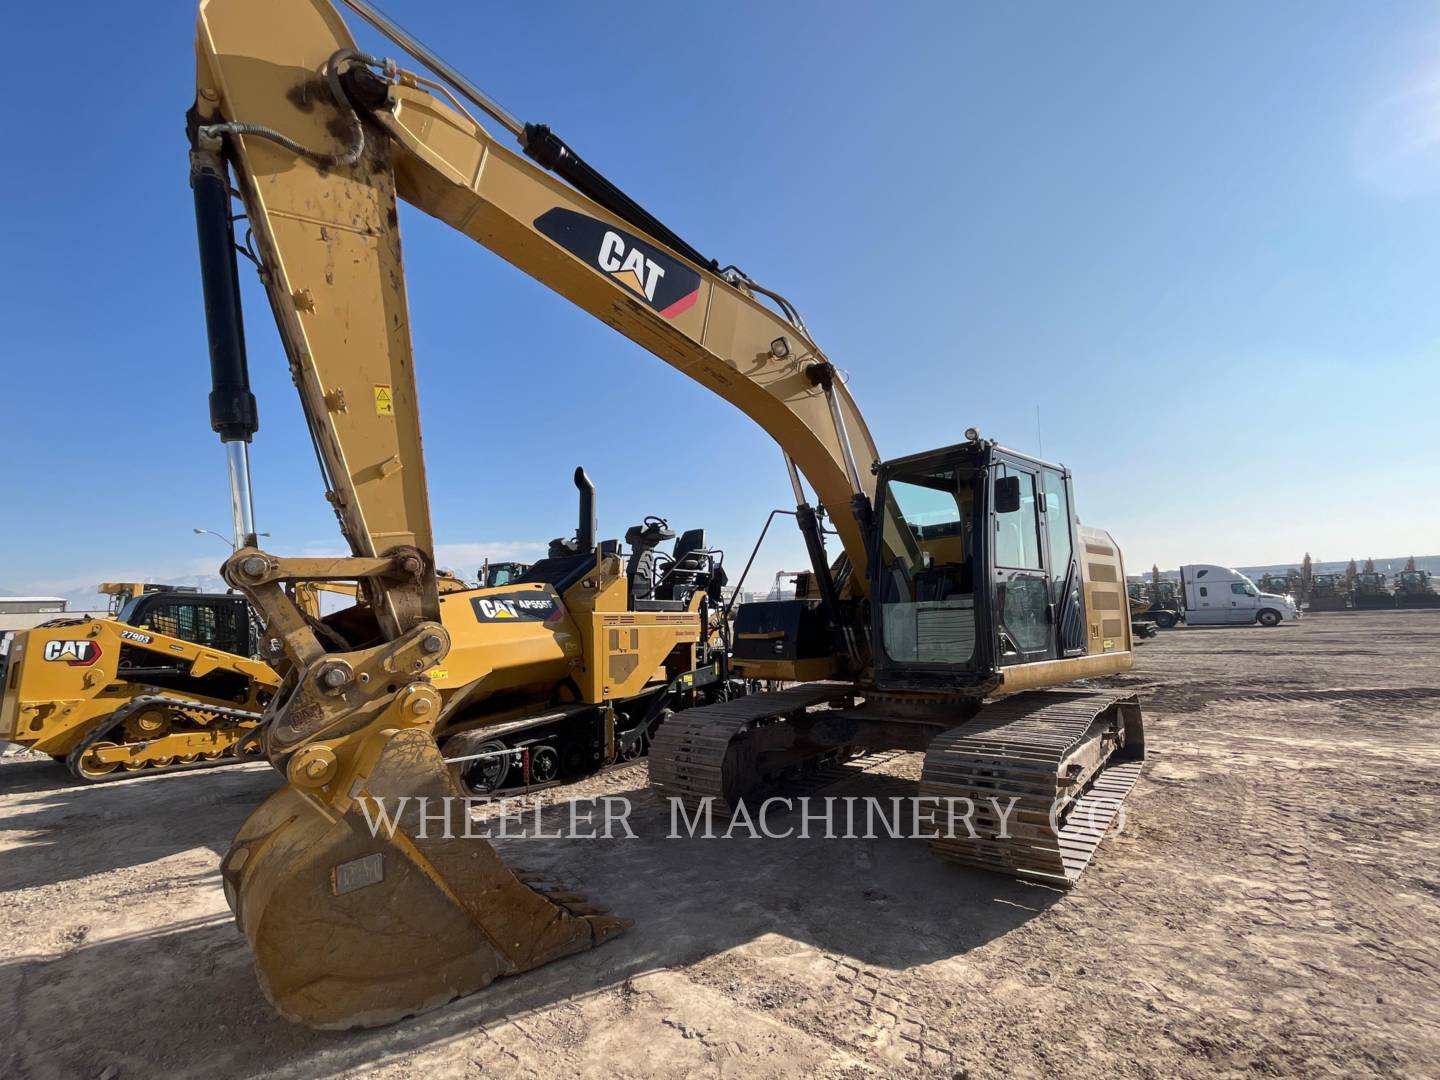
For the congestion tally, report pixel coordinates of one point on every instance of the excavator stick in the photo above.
(360, 919)
(350, 925)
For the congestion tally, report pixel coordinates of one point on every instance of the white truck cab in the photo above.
(1216, 595)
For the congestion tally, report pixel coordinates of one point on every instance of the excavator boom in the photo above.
(353, 925)
(329, 239)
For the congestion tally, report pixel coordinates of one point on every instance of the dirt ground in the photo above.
(1270, 907)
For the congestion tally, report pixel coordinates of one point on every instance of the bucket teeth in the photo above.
(607, 926)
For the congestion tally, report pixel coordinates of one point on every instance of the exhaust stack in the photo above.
(585, 531)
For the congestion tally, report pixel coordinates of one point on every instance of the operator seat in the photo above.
(694, 569)
(946, 581)
(643, 568)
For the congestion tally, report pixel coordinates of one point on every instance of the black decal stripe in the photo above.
(676, 289)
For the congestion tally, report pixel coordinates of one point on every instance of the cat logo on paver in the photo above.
(524, 607)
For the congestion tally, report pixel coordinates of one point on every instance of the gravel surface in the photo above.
(1269, 907)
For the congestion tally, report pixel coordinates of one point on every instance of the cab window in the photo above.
(1017, 535)
(214, 625)
(1057, 528)
(926, 588)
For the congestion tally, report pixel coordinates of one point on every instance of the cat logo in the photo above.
(667, 284)
(517, 607)
(497, 609)
(631, 269)
(75, 653)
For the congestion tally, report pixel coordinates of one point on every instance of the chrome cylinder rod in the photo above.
(794, 479)
(412, 45)
(242, 507)
(843, 434)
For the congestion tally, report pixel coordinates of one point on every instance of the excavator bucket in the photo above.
(357, 927)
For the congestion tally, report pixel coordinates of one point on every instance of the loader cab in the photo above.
(973, 568)
(216, 620)
(495, 574)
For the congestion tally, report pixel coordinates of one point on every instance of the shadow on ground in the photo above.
(885, 903)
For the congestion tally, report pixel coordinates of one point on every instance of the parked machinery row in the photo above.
(1373, 591)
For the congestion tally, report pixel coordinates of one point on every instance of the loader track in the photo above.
(1024, 749)
(143, 762)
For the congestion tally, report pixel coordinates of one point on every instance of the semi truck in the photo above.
(1217, 595)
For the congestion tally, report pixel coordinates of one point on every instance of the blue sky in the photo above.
(1203, 241)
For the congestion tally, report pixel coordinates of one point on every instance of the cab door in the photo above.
(1021, 581)
(1243, 603)
(1067, 595)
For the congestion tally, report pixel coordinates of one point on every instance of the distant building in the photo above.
(26, 612)
(18, 605)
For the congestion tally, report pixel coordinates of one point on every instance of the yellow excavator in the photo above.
(966, 604)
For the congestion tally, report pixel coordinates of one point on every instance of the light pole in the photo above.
(220, 537)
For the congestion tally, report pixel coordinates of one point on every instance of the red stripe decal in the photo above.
(685, 303)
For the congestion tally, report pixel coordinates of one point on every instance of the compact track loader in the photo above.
(965, 605)
(168, 683)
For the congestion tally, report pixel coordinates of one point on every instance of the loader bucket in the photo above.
(351, 929)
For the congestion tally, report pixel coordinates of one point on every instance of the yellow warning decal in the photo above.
(384, 402)
(439, 673)
(1109, 644)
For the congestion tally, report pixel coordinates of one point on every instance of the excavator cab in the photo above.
(976, 570)
(974, 577)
